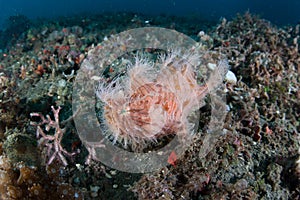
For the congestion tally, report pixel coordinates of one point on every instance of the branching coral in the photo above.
(52, 142)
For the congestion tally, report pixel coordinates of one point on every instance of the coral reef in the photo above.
(256, 157)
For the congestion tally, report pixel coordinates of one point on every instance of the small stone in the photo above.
(115, 186)
(113, 172)
(227, 108)
(211, 66)
(108, 175)
(96, 78)
(236, 98)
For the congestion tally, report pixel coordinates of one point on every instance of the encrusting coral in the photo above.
(20, 181)
(154, 101)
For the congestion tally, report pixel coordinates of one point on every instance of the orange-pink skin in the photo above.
(149, 104)
(141, 100)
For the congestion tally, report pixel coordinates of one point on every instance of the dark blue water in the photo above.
(277, 11)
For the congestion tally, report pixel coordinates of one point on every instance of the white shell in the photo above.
(230, 77)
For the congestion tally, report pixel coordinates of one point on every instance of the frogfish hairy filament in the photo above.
(154, 100)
